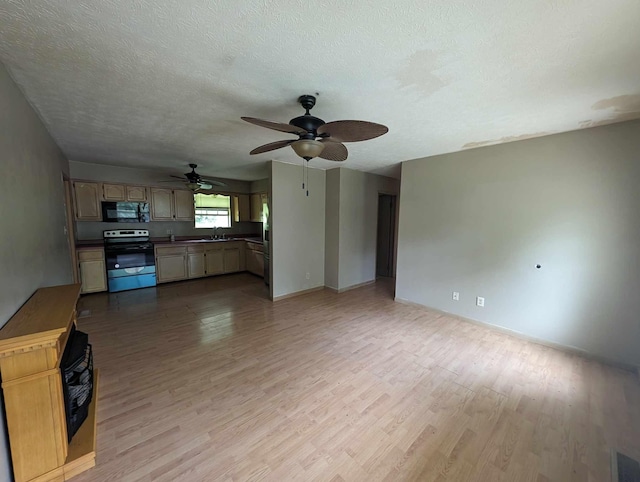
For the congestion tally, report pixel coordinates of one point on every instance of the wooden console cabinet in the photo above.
(31, 347)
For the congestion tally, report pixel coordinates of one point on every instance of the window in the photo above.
(212, 210)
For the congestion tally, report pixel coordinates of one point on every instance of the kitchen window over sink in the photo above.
(212, 210)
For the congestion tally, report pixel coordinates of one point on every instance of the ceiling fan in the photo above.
(195, 182)
(308, 128)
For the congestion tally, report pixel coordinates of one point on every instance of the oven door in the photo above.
(130, 259)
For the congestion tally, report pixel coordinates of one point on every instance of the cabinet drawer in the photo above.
(195, 249)
(255, 246)
(171, 250)
(90, 254)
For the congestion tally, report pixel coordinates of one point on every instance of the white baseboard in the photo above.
(540, 341)
(349, 288)
(297, 293)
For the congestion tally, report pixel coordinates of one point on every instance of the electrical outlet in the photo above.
(308, 276)
(169, 231)
(456, 296)
(480, 301)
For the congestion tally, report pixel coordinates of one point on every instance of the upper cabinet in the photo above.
(161, 204)
(259, 206)
(86, 199)
(256, 207)
(113, 192)
(169, 205)
(241, 208)
(136, 194)
(184, 209)
(120, 192)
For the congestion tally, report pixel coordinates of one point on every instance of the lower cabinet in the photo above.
(255, 258)
(232, 260)
(196, 264)
(93, 273)
(174, 263)
(215, 260)
(171, 264)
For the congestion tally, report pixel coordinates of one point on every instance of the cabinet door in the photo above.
(195, 265)
(256, 207)
(161, 204)
(136, 194)
(264, 201)
(113, 192)
(93, 276)
(252, 262)
(260, 263)
(184, 209)
(244, 208)
(86, 196)
(214, 261)
(232, 260)
(171, 267)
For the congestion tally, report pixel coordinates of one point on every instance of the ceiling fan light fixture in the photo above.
(307, 148)
(194, 186)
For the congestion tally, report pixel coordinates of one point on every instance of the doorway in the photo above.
(385, 259)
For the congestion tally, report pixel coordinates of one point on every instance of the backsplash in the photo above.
(86, 230)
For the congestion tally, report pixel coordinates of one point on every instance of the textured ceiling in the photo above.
(161, 83)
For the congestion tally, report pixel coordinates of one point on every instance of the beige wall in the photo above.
(478, 222)
(297, 229)
(33, 245)
(351, 224)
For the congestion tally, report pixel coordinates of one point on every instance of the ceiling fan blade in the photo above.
(352, 130)
(272, 146)
(333, 151)
(178, 177)
(276, 126)
(212, 183)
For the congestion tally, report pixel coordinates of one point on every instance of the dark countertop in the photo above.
(99, 243)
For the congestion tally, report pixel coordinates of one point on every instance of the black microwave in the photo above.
(123, 212)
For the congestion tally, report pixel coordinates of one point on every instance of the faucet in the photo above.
(215, 233)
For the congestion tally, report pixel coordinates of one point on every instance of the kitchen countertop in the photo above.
(180, 240)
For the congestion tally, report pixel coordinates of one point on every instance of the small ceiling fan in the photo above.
(195, 182)
(309, 128)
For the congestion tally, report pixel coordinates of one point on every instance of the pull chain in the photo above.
(305, 175)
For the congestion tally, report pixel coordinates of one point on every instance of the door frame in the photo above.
(394, 249)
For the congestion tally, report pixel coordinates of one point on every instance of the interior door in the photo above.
(386, 235)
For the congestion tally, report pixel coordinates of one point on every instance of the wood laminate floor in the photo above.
(208, 380)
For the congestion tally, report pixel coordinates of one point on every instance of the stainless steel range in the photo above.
(130, 259)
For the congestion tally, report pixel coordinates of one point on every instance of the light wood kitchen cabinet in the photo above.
(214, 257)
(255, 259)
(242, 208)
(161, 204)
(122, 192)
(113, 192)
(196, 265)
(256, 207)
(184, 208)
(86, 199)
(136, 194)
(93, 273)
(169, 205)
(171, 264)
(231, 260)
